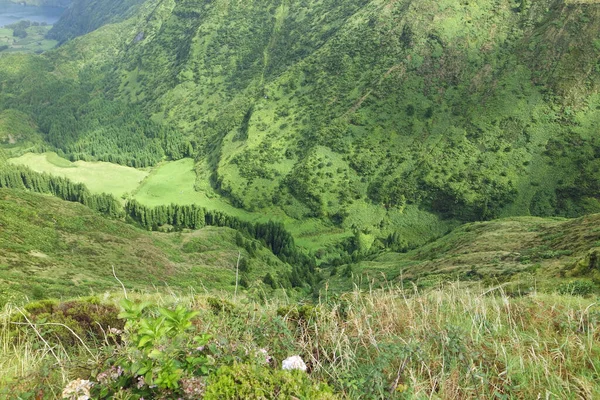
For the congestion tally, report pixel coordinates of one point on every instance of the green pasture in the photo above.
(174, 182)
(171, 182)
(99, 177)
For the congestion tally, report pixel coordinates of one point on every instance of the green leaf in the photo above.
(145, 340)
(155, 354)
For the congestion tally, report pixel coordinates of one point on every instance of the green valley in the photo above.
(393, 199)
(435, 122)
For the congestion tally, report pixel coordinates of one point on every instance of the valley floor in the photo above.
(171, 182)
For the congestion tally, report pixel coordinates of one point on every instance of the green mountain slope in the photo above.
(19, 132)
(462, 103)
(535, 252)
(362, 113)
(53, 248)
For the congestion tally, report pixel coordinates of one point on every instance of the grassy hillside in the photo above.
(452, 98)
(53, 248)
(18, 130)
(524, 252)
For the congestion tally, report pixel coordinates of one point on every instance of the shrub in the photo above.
(303, 313)
(158, 356)
(220, 305)
(245, 381)
(87, 318)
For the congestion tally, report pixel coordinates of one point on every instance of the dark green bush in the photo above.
(220, 305)
(302, 313)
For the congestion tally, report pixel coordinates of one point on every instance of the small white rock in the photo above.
(293, 362)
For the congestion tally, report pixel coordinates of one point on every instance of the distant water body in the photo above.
(13, 12)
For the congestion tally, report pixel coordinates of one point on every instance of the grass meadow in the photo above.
(171, 182)
(175, 181)
(99, 177)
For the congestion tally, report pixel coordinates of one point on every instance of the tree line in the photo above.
(273, 235)
(19, 177)
(79, 125)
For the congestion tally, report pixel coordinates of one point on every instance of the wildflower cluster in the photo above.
(159, 356)
(110, 375)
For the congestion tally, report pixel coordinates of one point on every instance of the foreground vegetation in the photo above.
(393, 343)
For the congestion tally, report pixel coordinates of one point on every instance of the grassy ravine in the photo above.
(447, 343)
(55, 248)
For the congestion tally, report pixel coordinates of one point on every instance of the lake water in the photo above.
(13, 12)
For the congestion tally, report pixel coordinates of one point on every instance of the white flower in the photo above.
(141, 382)
(110, 375)
(115, 331)
(78, 389)
(294, 362)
